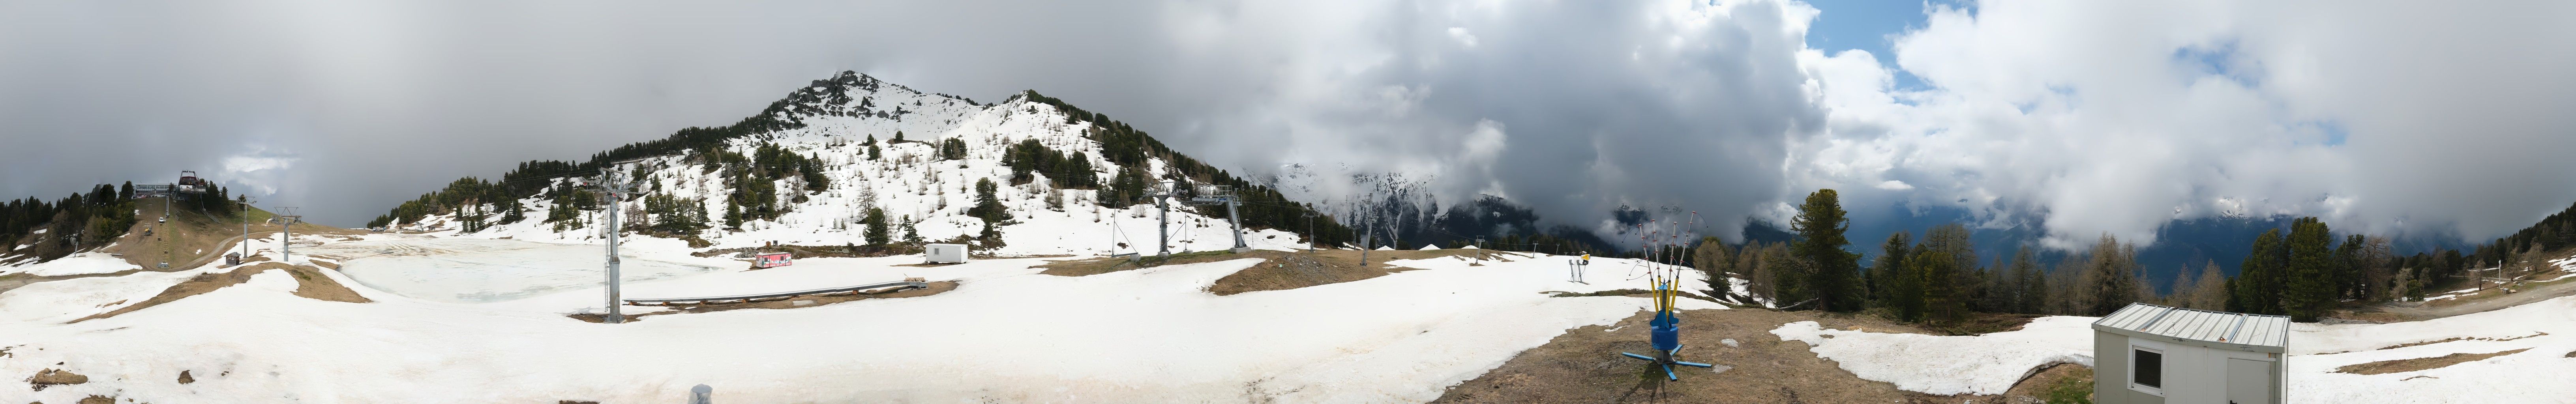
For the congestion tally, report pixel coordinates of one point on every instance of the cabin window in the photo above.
(2147, 368)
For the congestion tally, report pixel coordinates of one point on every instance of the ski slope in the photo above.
(1006, 334)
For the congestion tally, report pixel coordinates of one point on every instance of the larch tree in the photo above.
(1820, 225)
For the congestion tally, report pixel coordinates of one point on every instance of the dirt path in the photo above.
(2420, 311)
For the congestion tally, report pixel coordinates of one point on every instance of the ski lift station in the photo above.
(2147, 353)
(943, 254)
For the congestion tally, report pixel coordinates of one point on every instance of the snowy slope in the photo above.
(1979, 364)
(2547, 330)
(909, 181)
(1006, 334)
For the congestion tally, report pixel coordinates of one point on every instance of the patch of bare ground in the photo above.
(2037, 388)
(184, 378)
(2410, 365)
(308, 284)
(2533, 334)
(1985, 323)
(50, 377)
(785, 303)
(1584, 366)
(1284, 270)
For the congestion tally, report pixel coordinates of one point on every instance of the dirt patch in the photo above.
(2062, 383)
(310, 283)
(50, 377)
(1612, 292)
(2533, 334)
(1985, 323)
(1286, 270)
(2410, 365)
(785, 303)
(97, 399)
(196, 285)
(184, 378)
(253, 260)
(1584, 365)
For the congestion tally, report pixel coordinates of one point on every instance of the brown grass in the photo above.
(1584, 366)
(1612, 292)
(2533, 334)
(49, 377)
(2036, 386)
(2410, 365)
(308, 284)
(785, 303)
(1984, 323)
(1279, 270)
(97, 399)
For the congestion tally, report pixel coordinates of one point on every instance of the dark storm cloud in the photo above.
(348, 108)
(2082, 118)
(351, 107)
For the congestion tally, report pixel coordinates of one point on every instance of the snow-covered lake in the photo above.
(485, 271)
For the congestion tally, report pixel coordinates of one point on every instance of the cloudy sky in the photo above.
(2079, 118)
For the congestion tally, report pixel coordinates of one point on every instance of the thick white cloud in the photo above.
(2117, 117)
(2082, 117)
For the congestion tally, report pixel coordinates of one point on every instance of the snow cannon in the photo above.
(1664, 332)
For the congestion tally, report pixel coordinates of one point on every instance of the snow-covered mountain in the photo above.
(807, 170)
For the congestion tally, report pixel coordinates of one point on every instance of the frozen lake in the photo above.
(484, 271)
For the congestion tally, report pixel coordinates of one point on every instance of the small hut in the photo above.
(2147, 353)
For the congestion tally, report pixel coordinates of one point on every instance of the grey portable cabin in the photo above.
(2147, 353)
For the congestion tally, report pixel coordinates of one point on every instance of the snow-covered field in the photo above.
(1982, 364)
(1006, 334)
(2538, 375)
(477, 270)
(1991, 363)
(75, 264)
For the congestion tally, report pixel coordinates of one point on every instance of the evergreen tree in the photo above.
(1820, 225)
(1943, 301)
(1953, 241)
(2112, 268)
(1709, 258)
(1885, 274)
(910, 236)
(516, 213)
(872, 152)
(2257, 285)
(952, 149)
(2310, 274)
(876, 225)
(1901, 277)
(986, 205)
(2033, 284)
